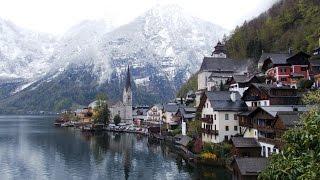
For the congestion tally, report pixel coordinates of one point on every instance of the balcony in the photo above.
(245, 123)
(264, 128)
(209, 131)
(153, 114)
(207, 120)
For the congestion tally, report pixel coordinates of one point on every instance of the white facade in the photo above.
(203, 80)
(220, 55)
(258, 103)
(235, 87)
(154, 114)
(225, 122)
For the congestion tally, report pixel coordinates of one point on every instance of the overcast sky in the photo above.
(56, 16)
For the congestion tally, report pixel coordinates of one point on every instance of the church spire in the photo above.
(128, 79)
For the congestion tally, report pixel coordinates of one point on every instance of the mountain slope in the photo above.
(163, 47)
(289, 23)
(23, 53)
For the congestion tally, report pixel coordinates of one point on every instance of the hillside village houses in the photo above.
(218, 69)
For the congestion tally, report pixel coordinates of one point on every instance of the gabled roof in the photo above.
(172, 107)
(159, 106)
(140, 110)
(274, 110)
(187, 112)
(223, 64)
(221, 101)
(267, 87)
(250, 165)
(315, 62)
(241, 142)
(276, 58)
(289, 118)
(182, 139)
(281, 58)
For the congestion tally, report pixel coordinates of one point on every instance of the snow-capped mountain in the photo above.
(163, 47)
(23, 53)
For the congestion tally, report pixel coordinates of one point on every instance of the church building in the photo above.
(124, 108)
(217, 69)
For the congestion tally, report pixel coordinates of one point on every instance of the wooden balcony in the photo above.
(209, 131)
(207, 120)
(268, 129)
(245, 123)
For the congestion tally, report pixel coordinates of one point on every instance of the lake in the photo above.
(32, 148)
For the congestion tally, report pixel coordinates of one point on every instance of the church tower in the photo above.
(127, 97)
(219, 51)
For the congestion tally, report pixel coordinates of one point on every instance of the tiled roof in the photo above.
(274, 110)
(290, 118)
(172, 107)
(251, 165)
(276, 58)
(244, 142)
(221, 101)
(182, 140)
(223, 64)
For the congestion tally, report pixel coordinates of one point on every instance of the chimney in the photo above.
(290, 50)
(233, 96)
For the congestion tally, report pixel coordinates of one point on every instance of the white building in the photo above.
(155, 114)
(241, 83)
(219, 111)
(124, 108)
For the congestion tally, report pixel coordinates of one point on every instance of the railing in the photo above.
(154, 114)
(209, 131)
(207, 120)
(264, 128)
(245, 123)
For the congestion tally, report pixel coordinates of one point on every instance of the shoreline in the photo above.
(191, 158)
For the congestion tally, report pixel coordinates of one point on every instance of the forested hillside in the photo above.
(191, 84)
(288, 23)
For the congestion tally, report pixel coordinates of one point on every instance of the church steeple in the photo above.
(127, 92)
(128, 79)
(219, 51)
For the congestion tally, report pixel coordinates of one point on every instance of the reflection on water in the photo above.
(31, 148)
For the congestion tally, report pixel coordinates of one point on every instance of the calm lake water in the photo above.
(31, 148)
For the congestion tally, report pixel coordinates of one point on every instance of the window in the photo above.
(227, 128)
(226, 138)
(226, 116)
(303, 68)
(283, 79)
(215, 117)
(235, 128)
(235, 117)
(269, 151)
